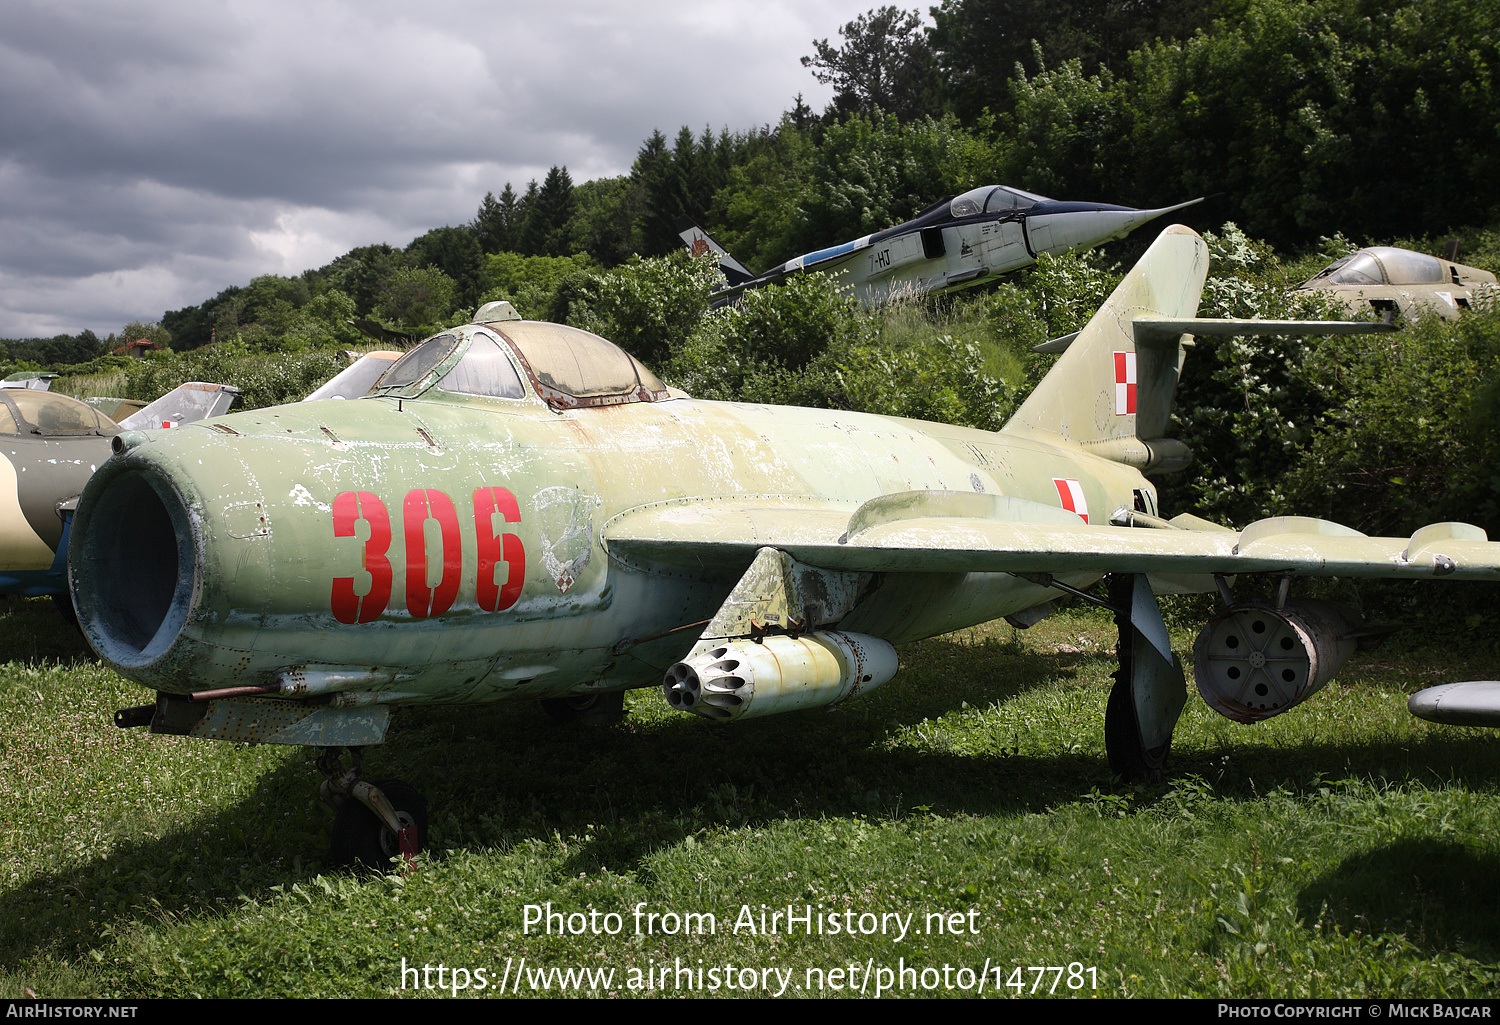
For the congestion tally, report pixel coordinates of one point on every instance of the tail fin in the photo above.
(184, 404)
(701, 243)
(1111, 390)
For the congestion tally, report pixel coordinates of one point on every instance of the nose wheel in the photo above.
(376, 821)
(359, 837)
(587, 709)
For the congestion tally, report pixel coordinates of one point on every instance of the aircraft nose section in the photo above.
(1079, 228)
(131, 561)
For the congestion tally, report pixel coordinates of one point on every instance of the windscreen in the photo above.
(972, 202)
(420, 362)
(1358, 269)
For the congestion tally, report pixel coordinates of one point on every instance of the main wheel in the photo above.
(1122, 737)
(1128, 758)
(360, 839)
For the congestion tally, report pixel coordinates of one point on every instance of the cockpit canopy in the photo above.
(992, 199)
(571, 367)
(567, 367)
(1382, 265)
(26, 411)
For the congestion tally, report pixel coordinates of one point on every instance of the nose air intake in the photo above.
(131, 565)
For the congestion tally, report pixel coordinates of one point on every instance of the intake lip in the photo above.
(131, 562)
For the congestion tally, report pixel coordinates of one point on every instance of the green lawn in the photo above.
(1342, 849)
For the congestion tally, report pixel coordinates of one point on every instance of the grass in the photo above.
(85, 386)
(1345, 849)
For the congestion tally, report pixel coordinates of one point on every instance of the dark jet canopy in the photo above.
(26, 411)
(1381, 265)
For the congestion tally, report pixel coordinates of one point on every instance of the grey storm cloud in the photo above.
(152, 153)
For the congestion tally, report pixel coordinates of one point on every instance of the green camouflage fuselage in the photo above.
(390, 536)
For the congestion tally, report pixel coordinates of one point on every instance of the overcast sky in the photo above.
(153, 152)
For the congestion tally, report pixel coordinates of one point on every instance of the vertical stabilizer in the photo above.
(1112, 390)
(701, 243)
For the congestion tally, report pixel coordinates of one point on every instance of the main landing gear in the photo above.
(376, 821)
(1149, 690)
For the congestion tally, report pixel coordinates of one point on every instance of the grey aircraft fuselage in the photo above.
(957, 242)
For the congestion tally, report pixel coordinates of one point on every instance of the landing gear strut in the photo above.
(376, 821)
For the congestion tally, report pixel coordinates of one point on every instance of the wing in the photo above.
(949, 531)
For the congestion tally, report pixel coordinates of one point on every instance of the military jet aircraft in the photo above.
(50, 445)
(522, 510)
(956, 242)
(1390, 280)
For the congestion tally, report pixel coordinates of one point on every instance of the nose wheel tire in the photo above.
(361, 840)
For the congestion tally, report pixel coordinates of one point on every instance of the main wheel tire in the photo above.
(361, 840)
(1122, 736)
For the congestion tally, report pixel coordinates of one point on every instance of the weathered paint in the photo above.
(422, 546)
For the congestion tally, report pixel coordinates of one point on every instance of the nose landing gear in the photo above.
(376, 821)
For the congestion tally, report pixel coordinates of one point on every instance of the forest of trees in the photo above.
(1371, 118)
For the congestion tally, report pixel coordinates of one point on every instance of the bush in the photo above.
(264, 379)
(648, 307)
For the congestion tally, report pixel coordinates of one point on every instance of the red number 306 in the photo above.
(421, 505)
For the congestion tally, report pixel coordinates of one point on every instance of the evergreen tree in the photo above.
(488, 225)
(884, 64)
(527, 242)
(654, 171)
(548, 211)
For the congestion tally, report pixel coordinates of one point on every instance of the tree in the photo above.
(656, 172)
(1350, 101)
(544, 232)
(455, 252)
(884, 64)
(605, 212)
(872, 172)
(415, 298)
(979, 44)
(495, 223)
